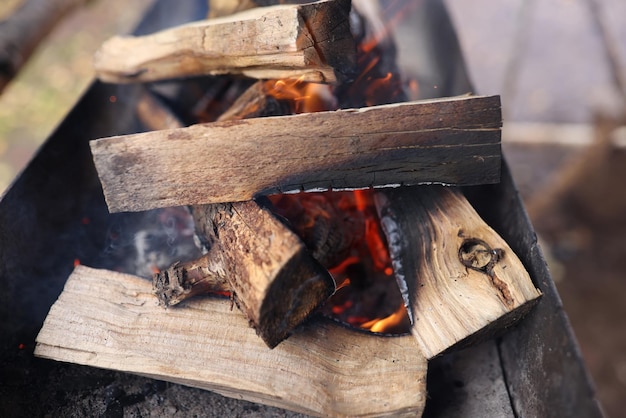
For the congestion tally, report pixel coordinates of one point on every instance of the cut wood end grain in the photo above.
(461, 277)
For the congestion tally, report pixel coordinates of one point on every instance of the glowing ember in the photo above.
(304, 97)
(343, 232)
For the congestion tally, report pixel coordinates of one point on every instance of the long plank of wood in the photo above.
(111, 320)
(312, 42)
(451, 141)
(462, 280)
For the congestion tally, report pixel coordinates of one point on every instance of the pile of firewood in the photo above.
(458, 278)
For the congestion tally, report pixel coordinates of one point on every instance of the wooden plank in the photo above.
(451, 141)
(111, 320)
(459, 277)
(312, 42)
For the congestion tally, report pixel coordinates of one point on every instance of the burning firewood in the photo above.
(251, 255)
(451, 141)
(311, 41)
(274, 279)
(458, 276)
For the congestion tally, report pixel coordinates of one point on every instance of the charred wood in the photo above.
(450, 141)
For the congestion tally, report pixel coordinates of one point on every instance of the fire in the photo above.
(346, 225)
(367, 295)
(304, 97)
(399, 320)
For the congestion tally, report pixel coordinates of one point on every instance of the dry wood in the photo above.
(219, 8)
(311, 41)
(154, 114)
(255, 102)
(452, 141)
(111, 320)
(273, 278)
(459, 276)
(22, 32)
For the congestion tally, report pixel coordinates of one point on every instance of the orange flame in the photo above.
(397, 320)
(305, 97)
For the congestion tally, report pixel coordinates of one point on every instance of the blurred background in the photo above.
(560, 67)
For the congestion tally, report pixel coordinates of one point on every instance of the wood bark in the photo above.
(459, 277)
(265, 266)
(274, 279)
(451, 141)
(311, 41)
(24, 30)
(111, 320)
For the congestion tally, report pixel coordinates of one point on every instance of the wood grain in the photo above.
(451, 141)
(312, 42)
(462, 280)
(111, 320)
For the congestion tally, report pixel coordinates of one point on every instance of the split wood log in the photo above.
(460, 279)
(255, 102)
(274, 279)
(450, 141)
(111, 320)
(24, 30)
(311, 41)
(265, 266)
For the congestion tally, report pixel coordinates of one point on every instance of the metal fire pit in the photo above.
(54, 215)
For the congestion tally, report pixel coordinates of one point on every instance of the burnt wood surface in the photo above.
(449, 141)
(251, 254)
(40, 219)
(462, 281)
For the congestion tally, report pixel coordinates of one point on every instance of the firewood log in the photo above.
(450, 141)
(266, 267)
(111, 320)
(458, 276)
(311, 41)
